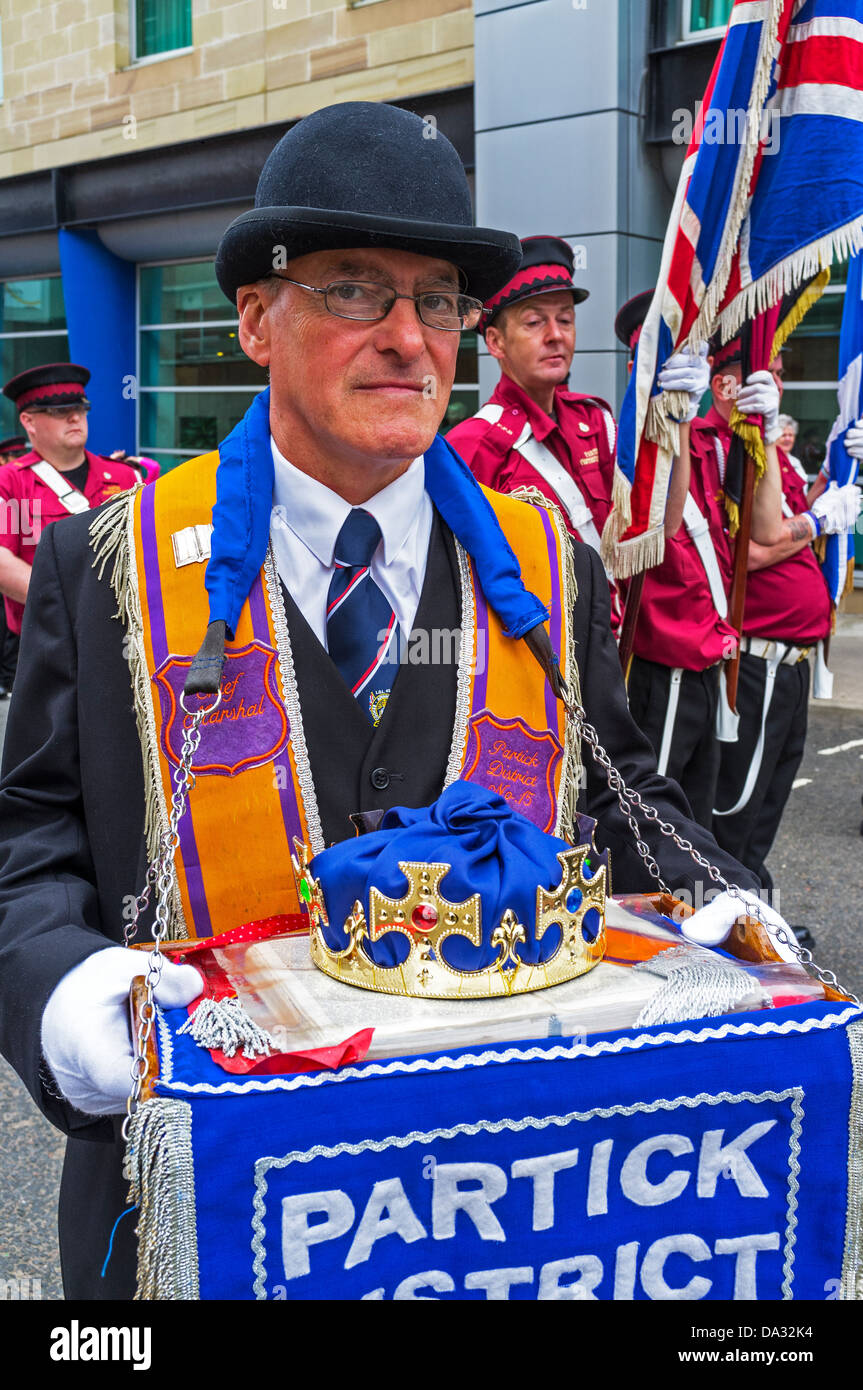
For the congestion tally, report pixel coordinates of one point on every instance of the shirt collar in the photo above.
(316, 514)
(512, 394)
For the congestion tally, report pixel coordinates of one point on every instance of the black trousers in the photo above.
(693, 759)
(9, 642)
(749, 833)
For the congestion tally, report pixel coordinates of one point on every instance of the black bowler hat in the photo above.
(55, 383)
(364, 174)
(547, 264)
(631, 316)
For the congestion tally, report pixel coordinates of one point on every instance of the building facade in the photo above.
(133, 131)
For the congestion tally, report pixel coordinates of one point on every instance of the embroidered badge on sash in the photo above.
(515, 761)
(249, 727)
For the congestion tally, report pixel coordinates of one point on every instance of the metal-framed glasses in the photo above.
(368, 302)
(61, 412)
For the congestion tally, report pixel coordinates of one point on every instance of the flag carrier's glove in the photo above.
(85, 1027)
(853, 440)
(711, 924)
(689, 372)
(835, 511)
(760, 396)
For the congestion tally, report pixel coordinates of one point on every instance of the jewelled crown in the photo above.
(428, 944)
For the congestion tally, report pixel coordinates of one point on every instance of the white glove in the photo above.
(710, 925)
(835, 511)
(854, 439)
(689, 372)
(760, 396)
(86, 1039)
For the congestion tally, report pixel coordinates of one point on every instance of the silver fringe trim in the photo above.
(571, 767)
(698, 984)
(161, 1175)
(291, 697)
(224, 1026)
(466, 667)
(112, 538)
(851, 1284)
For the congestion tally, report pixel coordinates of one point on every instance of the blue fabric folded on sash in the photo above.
(492, 851)
(244, 499)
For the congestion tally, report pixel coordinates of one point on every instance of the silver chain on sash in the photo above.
(630, 803)
(160, 875)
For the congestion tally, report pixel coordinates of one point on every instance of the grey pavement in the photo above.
(817, 862)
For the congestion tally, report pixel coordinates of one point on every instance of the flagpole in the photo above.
(630, 619)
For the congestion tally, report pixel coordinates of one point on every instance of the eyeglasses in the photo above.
(60, 412)
(365, 301)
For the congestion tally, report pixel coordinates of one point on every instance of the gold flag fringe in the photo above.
(799, 310)
(160, 1171)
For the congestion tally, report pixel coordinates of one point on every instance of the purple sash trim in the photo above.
(188, 845)
(287, 790)
(481, 651)
(555, 625)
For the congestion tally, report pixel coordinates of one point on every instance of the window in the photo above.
(32, 331)
(195, 381)
(160, 26)
(701, 17)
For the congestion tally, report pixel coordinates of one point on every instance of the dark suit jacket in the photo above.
(72, 813)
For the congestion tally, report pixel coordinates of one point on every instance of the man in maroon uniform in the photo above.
(787, 614)
(533, 432)
(683, 634)
(55, 478)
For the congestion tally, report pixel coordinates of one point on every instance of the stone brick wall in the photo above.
(71, 93)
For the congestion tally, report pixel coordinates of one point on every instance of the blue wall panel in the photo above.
(99, 290)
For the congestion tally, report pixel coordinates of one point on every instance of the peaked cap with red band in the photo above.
(547, 264)
(725, 355)
(56, 383)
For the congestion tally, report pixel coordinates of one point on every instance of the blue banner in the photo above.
(705, 1160)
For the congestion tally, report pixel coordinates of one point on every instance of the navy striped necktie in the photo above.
(362, 636)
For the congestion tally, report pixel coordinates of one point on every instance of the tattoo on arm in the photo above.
(799, 529)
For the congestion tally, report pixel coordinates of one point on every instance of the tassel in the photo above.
(160, 1172)
(222, 1025)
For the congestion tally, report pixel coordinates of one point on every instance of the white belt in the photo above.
(68, 496)
(771, 650)
(670, 718)
(773, 664)
(698, 529)
(552, 470)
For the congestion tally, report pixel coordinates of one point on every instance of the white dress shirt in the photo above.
(306, 519)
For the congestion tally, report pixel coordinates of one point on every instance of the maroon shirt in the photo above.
(788, 601)
(678, 624)
(27, 506)
(582, 437)
(578, 438)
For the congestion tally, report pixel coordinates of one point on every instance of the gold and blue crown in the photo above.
(474, 915)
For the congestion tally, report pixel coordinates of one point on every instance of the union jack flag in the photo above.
(770, 190)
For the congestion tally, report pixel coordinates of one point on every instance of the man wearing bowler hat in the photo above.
(340, 519)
